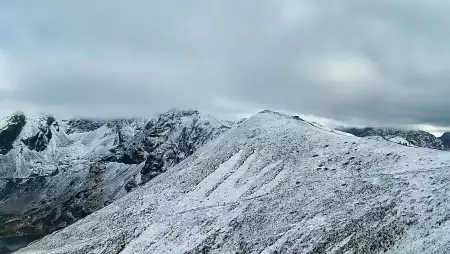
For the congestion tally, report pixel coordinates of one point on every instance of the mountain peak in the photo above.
(268, 111)
(10, 129)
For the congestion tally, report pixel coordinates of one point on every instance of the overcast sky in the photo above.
(369, 62)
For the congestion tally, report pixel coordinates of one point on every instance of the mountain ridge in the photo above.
(54, 173)
(277, 184)
(417, 138)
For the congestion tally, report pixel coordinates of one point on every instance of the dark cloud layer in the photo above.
(375, 62)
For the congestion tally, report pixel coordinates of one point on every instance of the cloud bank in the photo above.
(356, 61)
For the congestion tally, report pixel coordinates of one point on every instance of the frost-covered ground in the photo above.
(400, 140)
(53, 173)
(276, 184)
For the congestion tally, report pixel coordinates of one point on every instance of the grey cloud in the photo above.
(379, 62)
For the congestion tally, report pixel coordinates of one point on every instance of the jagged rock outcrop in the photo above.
(10, 129)
(39, 138)
(53, 174)
(83, 125)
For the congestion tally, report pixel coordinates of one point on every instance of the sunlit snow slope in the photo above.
(277, 184)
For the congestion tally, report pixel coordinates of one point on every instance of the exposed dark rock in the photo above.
(83, 125)
(297, 118)
(40, 140)
(130, 157)
(154, 166)
(50, 120)
(10, 244)
(11, 132)
(446, 139)
(130, 185)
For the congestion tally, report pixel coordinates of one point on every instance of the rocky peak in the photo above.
(10, 129)
(169, 139)
(38, 133)
(446, 139)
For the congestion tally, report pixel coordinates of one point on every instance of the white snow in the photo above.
(86, 168)
(197, 196)
(399, 140)
(273, 184)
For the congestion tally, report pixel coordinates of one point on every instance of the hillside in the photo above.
(278, 184)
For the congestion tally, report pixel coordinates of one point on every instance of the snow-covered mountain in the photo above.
(53, 173)
(278, 184)
(404, 137)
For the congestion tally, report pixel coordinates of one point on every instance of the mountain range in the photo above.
(416, 138)
(185, 182)
(53, 173)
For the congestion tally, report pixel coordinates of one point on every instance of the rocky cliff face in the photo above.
(446, 140)
(10, 129)
(54, 173)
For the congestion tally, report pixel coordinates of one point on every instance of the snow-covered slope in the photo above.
(277, 184)
(400, 141)
(54, 173)
(408, 137)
